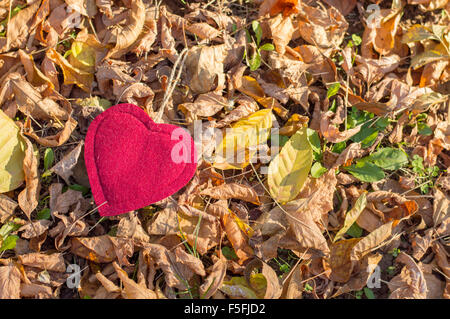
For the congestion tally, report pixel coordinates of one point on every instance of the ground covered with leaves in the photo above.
(347, 99)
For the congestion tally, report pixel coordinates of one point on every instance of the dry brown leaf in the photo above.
(130, 227)
(20, 26)
(32, 290)
(204, 66)
(381, 39)
(358, 282)
(176, 274)
(420, 244)
(238, 239)
(30, 101)
(7, 207)
(331, 132)
(64, 167)
(9, 282)
(52, 262)
(29, 198)
(233, 190)
(215, 279)
(281, 29)
(344, 6)
(132, 290)
(410, 283)
(203, 30)
(35, 229)
(190, 261)
(371, 241)
(208, 234)
(246, 107)
(124, 37)
(165, 222)
(205, 105)
(102, 249)
(324, 29)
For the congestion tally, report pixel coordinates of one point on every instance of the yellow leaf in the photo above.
(240, 143)
(352, 215)
(238, 287)
(242, 225)
(12, 153)
(289, 169)
(82, 56)
(72, 75)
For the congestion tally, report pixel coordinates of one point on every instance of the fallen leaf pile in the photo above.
(330, 180)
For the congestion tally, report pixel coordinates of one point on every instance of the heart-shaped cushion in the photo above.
(133, 162)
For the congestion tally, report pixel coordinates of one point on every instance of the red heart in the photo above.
(133, 162)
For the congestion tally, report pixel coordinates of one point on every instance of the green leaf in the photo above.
(289, 170)
(12, 153)
(267, 47)
(355, 231)
(79, 188)
(366, 136)
(366, 172)
(314, 140)
(229, 253)
(388, 158)
(356, 39)
(44, 214)
(369, 293)
(258, 31)
(339, 147)
(424, 129)
(333, 89)
(317, 170)
(255, 61)
(49, 157)
(8, 228)
(9, 243)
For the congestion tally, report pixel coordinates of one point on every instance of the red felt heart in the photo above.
(133, 162)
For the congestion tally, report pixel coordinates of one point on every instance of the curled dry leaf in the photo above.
(273, 287)
(102, 249)
(410, 283)
(236, 236)
(71, 74)
(29, 198)
(205, 105)
(53, 262)
(132, 290)
(215, 279)
(323, 28)
(64, 168)
(124, 37)
(232, 190)
(19, 27)
(204, 65)
(331, 132)
(35, 229)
